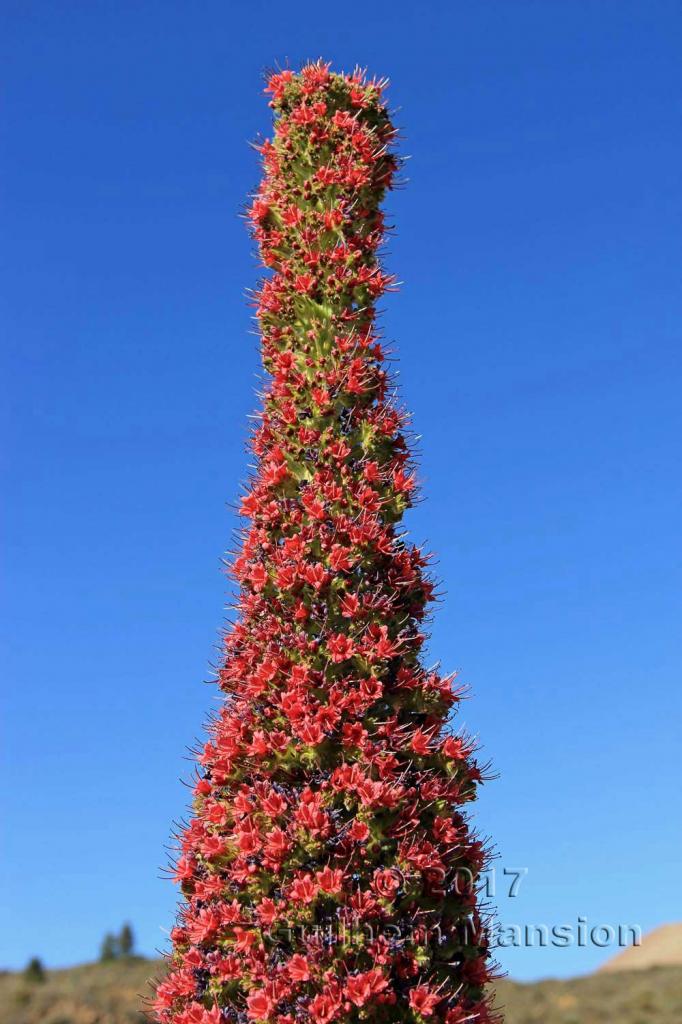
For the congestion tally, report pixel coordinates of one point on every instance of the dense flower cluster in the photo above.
(328, 870)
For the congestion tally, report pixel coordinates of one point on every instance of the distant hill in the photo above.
(660, 948)
(101, 993)
(113, 993)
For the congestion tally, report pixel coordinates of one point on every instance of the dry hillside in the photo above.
(112, 993)
(660, 948)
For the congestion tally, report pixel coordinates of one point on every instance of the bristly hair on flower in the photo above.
(328, 870)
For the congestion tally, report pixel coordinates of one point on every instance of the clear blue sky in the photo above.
(539, 335)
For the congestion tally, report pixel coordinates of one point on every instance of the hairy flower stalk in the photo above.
(328, 870)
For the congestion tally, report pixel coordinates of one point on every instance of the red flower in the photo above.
(360, 988)
(258, 577)
(274, 804)
(267, 911)
(184, 868)
(455, 748)
(298, 968)
(359, 831)
(330, 880)
(212, 847)
(340, 559)
(353, 734)
(247, 839)
(259, 1004)
(226, 968)
(323, 1008)
(340, 647)
(424, 1001)
(278, 82)
(315, 76)
(310, 732)
(387, 882)
(245, 939)
(316, 575)
(292, 216)
(277, 844)
(349, 606)
(420, 743)
(304, 283)
(206, 924)
(303, 890)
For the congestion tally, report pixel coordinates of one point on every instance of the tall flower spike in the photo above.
(328, 872)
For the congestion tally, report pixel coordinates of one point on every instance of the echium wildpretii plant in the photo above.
(328, 870)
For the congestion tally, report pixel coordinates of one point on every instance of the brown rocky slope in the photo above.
(113, 993)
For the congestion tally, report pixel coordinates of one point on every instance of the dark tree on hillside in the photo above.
(109, 948)
(126, 940)
(34, 971)
(328, 870)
